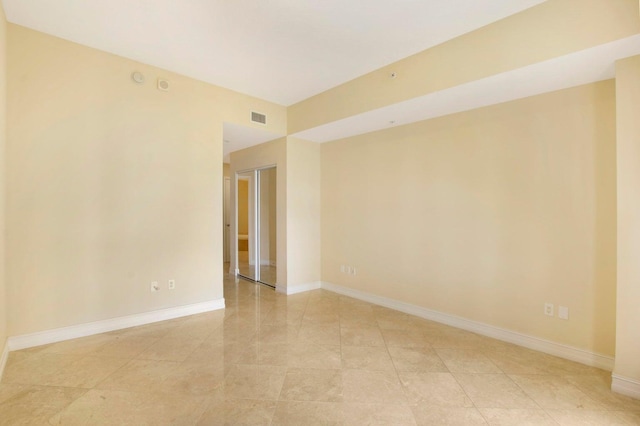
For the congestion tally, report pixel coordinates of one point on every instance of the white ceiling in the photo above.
(283, 51)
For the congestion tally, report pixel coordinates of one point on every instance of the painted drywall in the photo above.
(111, 184)
(549, 30)
(486, 214)
(3, 144)
(303, 212)
(243, 207)
(628, 176)
(264, 155)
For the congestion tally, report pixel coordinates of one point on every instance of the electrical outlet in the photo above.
(548, 309)
(154, 286)
(563, 312)
(172, 284)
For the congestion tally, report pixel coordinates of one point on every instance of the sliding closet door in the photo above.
(246, 224)
(267, 215)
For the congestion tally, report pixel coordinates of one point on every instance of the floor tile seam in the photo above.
(69, 404)
(529, 395)
(466, 393)
(97, 385)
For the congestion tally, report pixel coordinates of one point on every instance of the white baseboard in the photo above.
(531, 342)
(4, 356)
(300, 288)
(625, 386)
(82, 330)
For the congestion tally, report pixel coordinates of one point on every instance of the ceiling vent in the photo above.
(257, 117)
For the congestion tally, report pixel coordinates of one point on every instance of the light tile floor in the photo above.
(315, 358)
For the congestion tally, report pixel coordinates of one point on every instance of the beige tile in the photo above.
(466, 361)
(222, 353)
(254, 382)
(34, 405)
(153, 331)
(320, 334)
(517, 417)
(598, 387)
(361, 336)
(555, 393)
(405, 339)
(378, 414)
(238, 412)
(389, 319)
(518, 361)
(302, 384)
(80, 346)
(277, 334)
(439, 389)
(494, 391)
(321, 316)
(292, 413)
(563, 367)
(456, 339)
(372, 387)
(170, 349)
(631, 417)
(429, 415)
(417, 360)
(139, 376)
(310, 355)
(17, 356)
(582, 417)
(127, 347)
(197, 379)
(231, 367)
(38, 369)
(86, 372)
(366, 358)
(110, 407)
(8, 391)
(264, 353)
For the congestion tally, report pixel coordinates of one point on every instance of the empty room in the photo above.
(319, 212)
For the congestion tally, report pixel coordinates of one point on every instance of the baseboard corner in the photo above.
(625, 386)
(300, 288)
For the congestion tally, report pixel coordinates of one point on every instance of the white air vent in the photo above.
(257, 117)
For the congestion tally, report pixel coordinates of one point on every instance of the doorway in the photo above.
(256, 228)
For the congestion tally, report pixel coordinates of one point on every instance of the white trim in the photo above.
(531, 342)
(625, 386)
(82, 330)
(4, 357)
(300, 288)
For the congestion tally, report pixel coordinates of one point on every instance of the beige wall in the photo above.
(3, 143)
(486, 214)
(549, 30)
(303, 212)
(111, 184)
(243, 207)
(628, 156)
